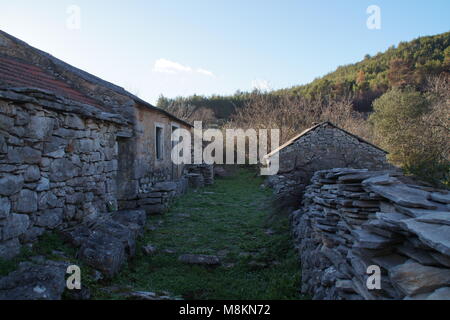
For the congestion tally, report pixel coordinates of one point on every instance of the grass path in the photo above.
(227, 219)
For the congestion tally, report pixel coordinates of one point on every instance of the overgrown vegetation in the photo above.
(414, 127)
(228, 219)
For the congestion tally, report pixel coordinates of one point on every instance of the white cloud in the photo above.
(205, 72)
(166, 66)
(262, 85)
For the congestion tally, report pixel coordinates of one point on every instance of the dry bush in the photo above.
(190, 113)
(293, 114)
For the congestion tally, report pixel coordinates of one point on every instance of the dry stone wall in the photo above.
(58, 162)
(352, 219)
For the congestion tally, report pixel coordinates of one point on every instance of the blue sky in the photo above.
(182, 47)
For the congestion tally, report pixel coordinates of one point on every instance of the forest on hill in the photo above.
(409, 63)
(399, 100)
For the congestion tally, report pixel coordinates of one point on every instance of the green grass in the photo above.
(229, 217)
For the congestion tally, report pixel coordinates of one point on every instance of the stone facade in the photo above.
(321, 147)
(353, 219)
(56, 165)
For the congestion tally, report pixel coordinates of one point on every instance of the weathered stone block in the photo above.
(74, 122)
(40, 127)
(16, 224)
(62, 170)
(21, 155)
(5, 207)
(50, 219)
(32, 173)
(44, 281)
(43, 184)
(9, 249)
(413, 278)
(27, 202)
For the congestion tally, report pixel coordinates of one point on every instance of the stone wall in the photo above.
(58, 162)
(147, 182)
(324, 147)
(352, 219)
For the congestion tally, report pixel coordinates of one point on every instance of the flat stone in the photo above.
(392, 218)
(199, 259)
(440, 294)
(421, 256)
(10, 184)
(435, 236)
(436, 218)
(413, 278)
(371, 241)
(442, 259)
(357, 177)
(390, 261)
(379, 227)
(440, 197)
(403, 195)
(416, 212)
(381, 180)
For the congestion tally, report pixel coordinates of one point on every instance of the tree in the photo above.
(400, 73)
(413, 127)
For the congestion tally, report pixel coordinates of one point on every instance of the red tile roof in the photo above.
(22, 74)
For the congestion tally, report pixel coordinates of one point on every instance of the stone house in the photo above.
(323, 146)
(73, 145)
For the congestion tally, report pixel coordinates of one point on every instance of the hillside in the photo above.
(409, 63)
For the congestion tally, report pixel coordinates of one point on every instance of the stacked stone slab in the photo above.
(199, 175)
(352, 219)
(154, 197)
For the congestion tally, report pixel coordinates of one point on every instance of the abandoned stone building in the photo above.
(323, 146)
(72, 145)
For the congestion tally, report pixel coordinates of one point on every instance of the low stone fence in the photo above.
(367, 235)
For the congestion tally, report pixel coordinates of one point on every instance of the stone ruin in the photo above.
(352, 219)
